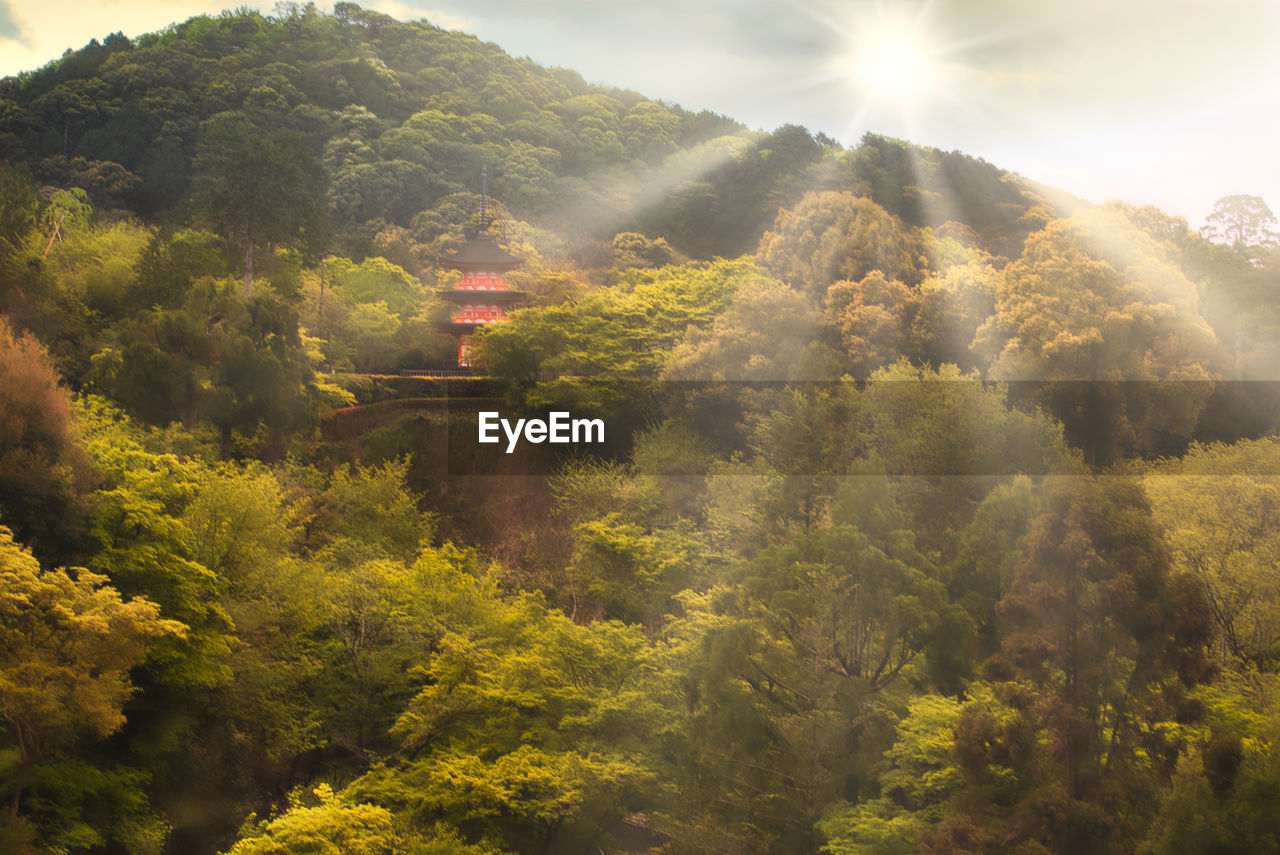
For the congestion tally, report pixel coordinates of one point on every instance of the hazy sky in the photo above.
(1169, 102)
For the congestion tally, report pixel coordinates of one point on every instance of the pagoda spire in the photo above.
(484, 202)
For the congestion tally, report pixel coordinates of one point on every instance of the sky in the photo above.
(1174, 103)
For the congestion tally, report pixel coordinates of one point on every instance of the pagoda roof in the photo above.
(481, 297)
(481, 253)
(460, 327)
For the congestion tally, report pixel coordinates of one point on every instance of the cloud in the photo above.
(412, 12)
(1094, 54)
(449, 21)
(12, 28)
(1106, 55)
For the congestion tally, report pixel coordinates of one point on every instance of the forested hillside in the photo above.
(938, 514)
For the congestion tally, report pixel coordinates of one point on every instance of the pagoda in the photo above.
(483, 295)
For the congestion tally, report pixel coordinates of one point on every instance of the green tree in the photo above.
(763, 334)
(1221, 508)
(97, 263)
(945, 438)
(377, 280)
(529, 729)
(240, 364)
(1103, 643)
(145, 549)
(950, 439)
(21, 210)
(789, 701)
(607, 349)
(371, 331)
(625, 571)
(632, 249)
(1218, 799)
(952, 192)
(391, 190)
(981, 572)
(260, 188)
(239, 527)
(918, 779)
(170, 263)
(233, 703)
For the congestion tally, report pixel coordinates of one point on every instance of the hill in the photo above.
(402, 116)
(932, 515)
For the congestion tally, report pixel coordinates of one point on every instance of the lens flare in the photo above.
(892, 61)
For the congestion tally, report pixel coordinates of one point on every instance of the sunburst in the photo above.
(892, 60)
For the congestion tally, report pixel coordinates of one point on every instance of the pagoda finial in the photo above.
(484, 201)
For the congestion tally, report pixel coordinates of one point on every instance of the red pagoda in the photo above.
(483, 296)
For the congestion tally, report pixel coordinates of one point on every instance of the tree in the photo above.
(622, 571)
(258, 187)
(870, 320)
(44, 471)
(766, 336)
(21, 210)
(609, 347)
(1102, 643)
(1243, 222)
(528, 729)
(632, 249)
(171, 261)
(1221, 507)
(145, 549)
(239, 528)
(393, 190)
(371, 330)
(762, 335)
(832, 236)
(1092, 306)
(239, 363)
(944, 190)
(799, 666)
(377, 280)
(982, 571)
(952, 307)
(919, 777)
(67, 644)
(1219, 798)
(951, 439)
(328, 824)
(945, 438)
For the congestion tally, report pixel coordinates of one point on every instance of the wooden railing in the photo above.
(441, 372)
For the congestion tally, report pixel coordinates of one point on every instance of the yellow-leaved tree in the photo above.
(1097, 317)
(67, 643)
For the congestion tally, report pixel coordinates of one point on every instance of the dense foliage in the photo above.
(934, 516)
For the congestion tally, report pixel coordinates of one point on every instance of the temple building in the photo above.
(483, 295)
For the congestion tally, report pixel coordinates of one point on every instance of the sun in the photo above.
(895, 61)
(891, 60)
